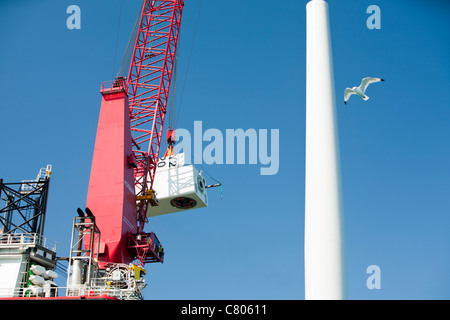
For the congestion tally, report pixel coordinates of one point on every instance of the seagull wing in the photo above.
(348, 92)
(366, 81)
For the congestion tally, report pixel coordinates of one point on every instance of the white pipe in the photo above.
(76, 272)
(324, 245)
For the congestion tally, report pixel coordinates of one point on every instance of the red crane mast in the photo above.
(129, 136)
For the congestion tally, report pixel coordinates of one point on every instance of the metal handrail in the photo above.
(119, 84)
(18, 239)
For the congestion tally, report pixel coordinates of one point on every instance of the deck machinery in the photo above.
(109, 247)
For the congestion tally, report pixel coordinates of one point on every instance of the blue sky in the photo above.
(247, 70)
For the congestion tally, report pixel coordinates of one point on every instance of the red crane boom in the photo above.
(129, 137)
(148, 86)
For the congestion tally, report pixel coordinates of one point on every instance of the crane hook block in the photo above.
(170, 136)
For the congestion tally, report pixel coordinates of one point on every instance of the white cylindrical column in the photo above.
(324, 245)
(77, 267)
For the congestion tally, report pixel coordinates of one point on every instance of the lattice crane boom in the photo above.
(129, 136)
(148, 85)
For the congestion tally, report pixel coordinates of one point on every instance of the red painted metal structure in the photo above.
(128, 139)
(148, 87)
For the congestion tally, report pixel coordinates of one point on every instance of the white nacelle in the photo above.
(178, 187)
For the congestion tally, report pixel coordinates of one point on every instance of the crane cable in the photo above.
(126, 61)
(127, 56)
(173, 89)
(189, 63)
(117, 38)
(173, 122)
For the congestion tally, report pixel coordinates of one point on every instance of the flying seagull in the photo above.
(360, 91)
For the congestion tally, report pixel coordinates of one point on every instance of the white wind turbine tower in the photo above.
(324, 234)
